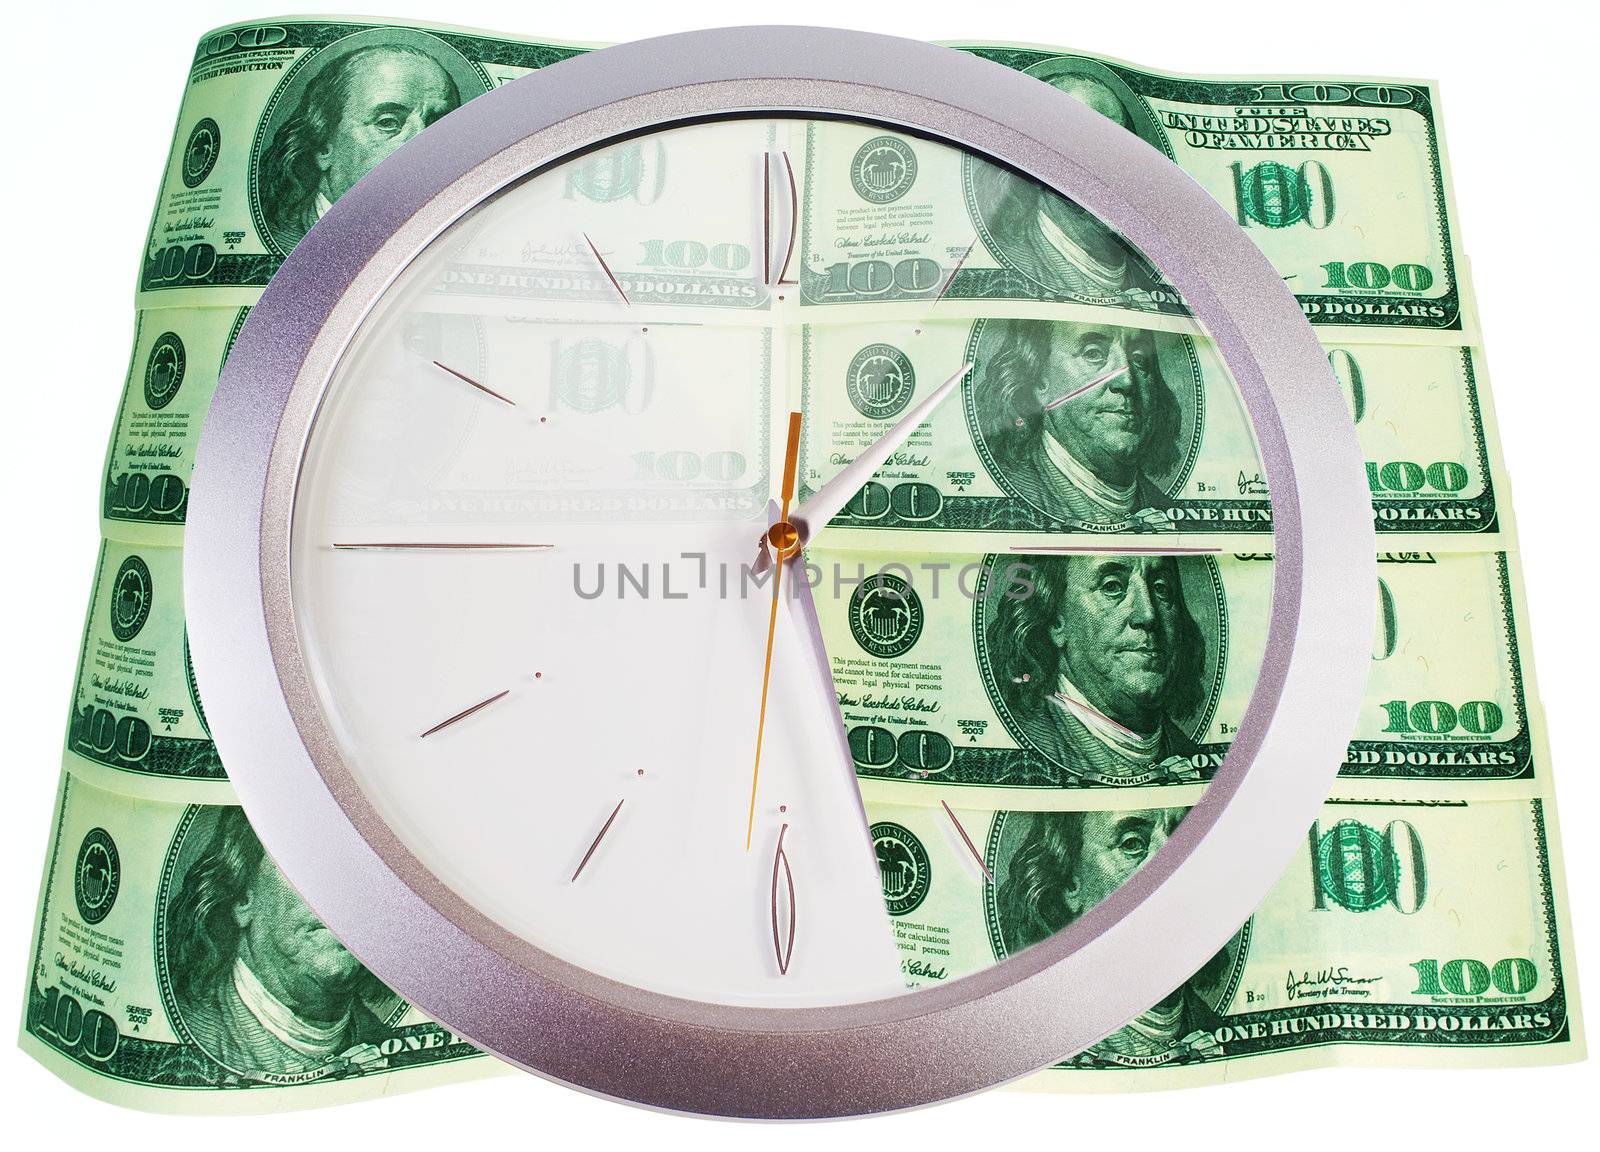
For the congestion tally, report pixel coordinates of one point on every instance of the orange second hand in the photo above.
(761, 723)
(791, 459)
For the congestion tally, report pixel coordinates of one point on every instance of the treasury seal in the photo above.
(1274, 195)
(1356, 867)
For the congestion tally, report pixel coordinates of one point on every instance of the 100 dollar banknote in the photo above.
(605, 421)
(137, 722)
(1401, 933)
(1164, 446)
(1073, 427)
(178, 355)
(258, 154)
(1343, 183)
(968, 673)
(1053, 680)
(174, 969)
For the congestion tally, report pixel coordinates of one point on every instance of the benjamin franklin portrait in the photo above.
(1081, 420)
(1103, 667)
(1052, 241)
(259, 983)
(418, 424)
(1057, 866)
(1046, 237)
(1098, 85)
(357, 101)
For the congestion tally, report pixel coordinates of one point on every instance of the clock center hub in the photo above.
(784, 538)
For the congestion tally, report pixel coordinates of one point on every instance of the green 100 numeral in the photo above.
(1370, 276)
(138, 494)
(875, 277)
(686, 467)
(1406, 476)
(91, 1032)
(1514, 976)
(1279, 196)
(1437, 717)
(725, 257)
(1322, 92)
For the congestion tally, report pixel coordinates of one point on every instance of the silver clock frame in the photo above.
(569, 1024)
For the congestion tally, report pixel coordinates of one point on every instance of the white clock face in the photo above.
(535, 584)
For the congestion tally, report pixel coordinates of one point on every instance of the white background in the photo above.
(91, 93)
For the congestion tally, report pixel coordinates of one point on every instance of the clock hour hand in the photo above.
(829, 500)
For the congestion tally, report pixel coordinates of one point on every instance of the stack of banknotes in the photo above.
(1424, 922)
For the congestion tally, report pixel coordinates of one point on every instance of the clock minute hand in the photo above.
(829, 500)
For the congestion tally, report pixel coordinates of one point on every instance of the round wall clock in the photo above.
(497, 561)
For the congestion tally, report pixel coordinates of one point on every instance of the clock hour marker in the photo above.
(464, 713)
(766, 217)
(595, 843)
(794, 216)
(766, 220)
(967, 840)
(783, 906)
(606, 268)
(444, 546)
(464, 378)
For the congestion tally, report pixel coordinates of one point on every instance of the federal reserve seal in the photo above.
(131, 594)
(885, 616)
(883, 170)
(200, 153)
(96, 876)
(1356, 867)
(163, 371)
(880, 381)
(903, 867)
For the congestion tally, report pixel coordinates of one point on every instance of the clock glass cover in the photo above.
(569, 661)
